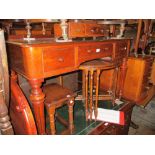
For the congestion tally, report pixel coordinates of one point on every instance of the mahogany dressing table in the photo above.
(42, 58)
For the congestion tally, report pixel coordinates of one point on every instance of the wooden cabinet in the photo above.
(137, 79)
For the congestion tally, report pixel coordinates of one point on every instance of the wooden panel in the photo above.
(76, 30)
(106, 79)
(137, 79)
(133, 79)
(15, 56)
(57, 31)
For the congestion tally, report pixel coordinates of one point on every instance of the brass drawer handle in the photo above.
(60, 59)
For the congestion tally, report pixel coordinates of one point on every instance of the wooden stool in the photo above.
(57, 96)
(88, 69)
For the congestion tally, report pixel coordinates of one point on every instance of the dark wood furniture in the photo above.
(56, 97)
(82, 29)
(114, 129)
(39, 59)
(88, 69)
(20, 112)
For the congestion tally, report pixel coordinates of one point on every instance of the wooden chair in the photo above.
(88, 70)
(57, 96)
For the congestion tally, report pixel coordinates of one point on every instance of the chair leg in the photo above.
(70, 111)
(51, 113)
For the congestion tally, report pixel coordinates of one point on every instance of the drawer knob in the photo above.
(60, 59)
(147, 88)
(89, 51)
(106, 48)
(123, 48)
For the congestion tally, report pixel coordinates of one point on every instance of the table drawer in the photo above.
(93, 51)
(58, 58)
(76, 30)
(121, 50)
(94, 30)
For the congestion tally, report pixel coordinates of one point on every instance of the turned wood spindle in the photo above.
(70, 110)
(123, 69)
(86, 93)
(37, 98)
(97, 92)
(91, 93)
(51, 112)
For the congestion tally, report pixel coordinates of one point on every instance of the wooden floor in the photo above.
(145, 118)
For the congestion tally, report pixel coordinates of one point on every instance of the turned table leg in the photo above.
(97, 90)
(86, 93)
(37, 98)
(91, 94)
(122, 77)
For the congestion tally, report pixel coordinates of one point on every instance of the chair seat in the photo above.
(56, 94)
(98, 64)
